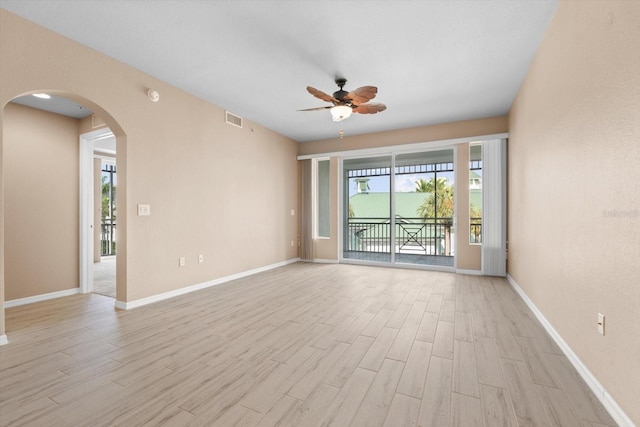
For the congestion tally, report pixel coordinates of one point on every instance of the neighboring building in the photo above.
(475, 181)
(377, 205)
(370, 231)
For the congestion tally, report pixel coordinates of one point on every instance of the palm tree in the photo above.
(475, 215)
(422, 186)
(105, 208)
(430, 186)
(438, 206)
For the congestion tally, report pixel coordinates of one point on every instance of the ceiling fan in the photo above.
(345, 103)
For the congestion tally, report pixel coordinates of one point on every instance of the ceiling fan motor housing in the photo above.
(345, 103)
(340, 94)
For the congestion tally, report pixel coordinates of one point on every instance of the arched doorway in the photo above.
(41, 167)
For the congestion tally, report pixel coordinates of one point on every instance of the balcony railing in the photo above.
(108, 237)
(475, 230)
(417, 236)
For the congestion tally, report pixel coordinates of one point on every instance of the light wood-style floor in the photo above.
(303, 345)
(104, 276)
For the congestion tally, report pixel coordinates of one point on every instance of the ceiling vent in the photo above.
(232, 119)
(97, 121)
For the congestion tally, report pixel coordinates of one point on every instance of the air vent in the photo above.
(232, 119)
(96, 121)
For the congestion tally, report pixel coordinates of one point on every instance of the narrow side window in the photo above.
(322, 199)
(475, 193)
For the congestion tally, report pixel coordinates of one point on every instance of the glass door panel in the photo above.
(424, 208)
(367, 221)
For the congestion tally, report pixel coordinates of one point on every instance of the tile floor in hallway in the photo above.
(104, 277)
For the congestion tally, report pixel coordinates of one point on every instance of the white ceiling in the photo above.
(56, 104)
(433, 61)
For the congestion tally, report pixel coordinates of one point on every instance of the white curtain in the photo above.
(306, 215)
(494, 207)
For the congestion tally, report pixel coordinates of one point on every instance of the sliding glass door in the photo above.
(424, 208)
(400, 209)
(367, 209)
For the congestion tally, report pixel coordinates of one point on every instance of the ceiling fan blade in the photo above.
(317, 108)
(373, 108)
(361, 95)
(321, 95)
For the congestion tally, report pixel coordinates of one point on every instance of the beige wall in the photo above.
(214, 189)
(574, 188)
(468, 256)
(86, 125)
(41, 212)
(2, 324)
(440, 132)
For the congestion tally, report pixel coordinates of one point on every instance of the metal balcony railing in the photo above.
(108, 237)
(475, 230)
(418, 236)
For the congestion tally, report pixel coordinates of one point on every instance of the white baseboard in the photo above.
(39, 298)
(3, 340)
(603, 396)
(470, 272)
(122, 305)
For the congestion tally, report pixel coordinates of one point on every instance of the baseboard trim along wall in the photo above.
(166, 295)
(3, 340)
(39, 298)
(605, 398)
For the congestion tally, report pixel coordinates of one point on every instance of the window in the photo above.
(322, 199)
(108, 208)
(475, 193)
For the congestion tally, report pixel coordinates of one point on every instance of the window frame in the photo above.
(316, 203)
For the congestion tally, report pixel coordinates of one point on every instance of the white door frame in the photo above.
(87, 142)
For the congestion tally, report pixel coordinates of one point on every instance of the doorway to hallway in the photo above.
(99, 174)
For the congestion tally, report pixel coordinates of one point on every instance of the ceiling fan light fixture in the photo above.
(340, 112)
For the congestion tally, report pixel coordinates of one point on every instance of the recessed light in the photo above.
(42, 95)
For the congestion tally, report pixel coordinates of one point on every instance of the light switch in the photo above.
(293, 212)
(144, 210)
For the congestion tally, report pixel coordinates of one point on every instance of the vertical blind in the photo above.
(306, 222)
(494, 207)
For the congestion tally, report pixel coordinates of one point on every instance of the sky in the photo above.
(405, 183)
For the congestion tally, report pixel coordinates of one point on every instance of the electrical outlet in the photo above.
(601, 323)
(201, 258)
(292, 243)
(182, 261)
(144, 210)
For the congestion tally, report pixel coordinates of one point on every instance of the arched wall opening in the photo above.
(49, 179)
